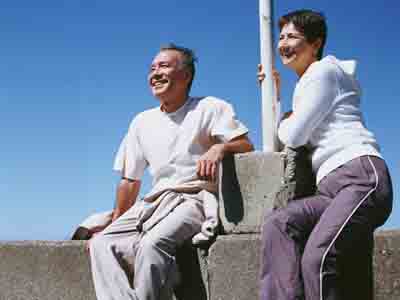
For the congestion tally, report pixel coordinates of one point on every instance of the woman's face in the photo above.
(295, 51)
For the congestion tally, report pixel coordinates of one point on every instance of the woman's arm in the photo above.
(316, 98)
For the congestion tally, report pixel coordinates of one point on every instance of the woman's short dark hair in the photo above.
(189, 58)
(310, 23)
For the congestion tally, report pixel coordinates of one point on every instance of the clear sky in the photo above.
(73, 74)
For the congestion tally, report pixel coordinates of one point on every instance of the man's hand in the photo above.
(207, 166)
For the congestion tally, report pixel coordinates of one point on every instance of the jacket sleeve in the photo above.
(314, 98)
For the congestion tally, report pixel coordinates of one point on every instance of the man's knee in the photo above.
(99, 243)
(152, 243)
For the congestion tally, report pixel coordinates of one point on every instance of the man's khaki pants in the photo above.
(130, 264)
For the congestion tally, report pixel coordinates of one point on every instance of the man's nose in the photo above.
(155, 70)
(156, 74)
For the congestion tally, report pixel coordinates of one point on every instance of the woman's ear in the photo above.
(317, 45)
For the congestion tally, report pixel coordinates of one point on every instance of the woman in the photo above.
(307, 246)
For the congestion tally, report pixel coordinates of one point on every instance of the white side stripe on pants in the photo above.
(344, 224)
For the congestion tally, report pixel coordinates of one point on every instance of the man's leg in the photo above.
(112, 257)
(284, 235)
(155, 266)
(362, 201)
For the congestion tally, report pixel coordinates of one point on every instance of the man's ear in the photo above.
(188, 76)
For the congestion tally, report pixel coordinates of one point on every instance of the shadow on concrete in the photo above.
(230, 192)
(193, 274)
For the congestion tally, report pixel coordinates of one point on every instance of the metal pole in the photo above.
(270, 104)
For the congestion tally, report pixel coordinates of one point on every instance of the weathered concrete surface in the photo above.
(248, 185)
(233, 264)
(48, 270)
(60, 270)
(44, 271)
(298, 180)
(387, 265)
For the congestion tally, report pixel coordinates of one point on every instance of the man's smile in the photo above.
(158, 82)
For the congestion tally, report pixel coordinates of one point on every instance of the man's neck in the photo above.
(170, 106)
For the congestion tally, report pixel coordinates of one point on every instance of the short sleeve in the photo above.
(119, 160)
(130, 160)
(225, 126)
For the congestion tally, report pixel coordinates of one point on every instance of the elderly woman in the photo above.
(305, 244)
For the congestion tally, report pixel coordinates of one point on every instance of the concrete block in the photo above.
(233, 266)
(38, 270)
(386, 265)
(49, 270)
(248, 185)
(299, 180)
(42, 270)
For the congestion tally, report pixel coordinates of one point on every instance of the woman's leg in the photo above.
(362, 199)
(284, 235)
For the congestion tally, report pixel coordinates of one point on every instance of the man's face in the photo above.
(168, 79)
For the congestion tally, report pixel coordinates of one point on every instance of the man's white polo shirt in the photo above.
(170, 144)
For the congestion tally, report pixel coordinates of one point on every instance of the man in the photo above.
(181, 141)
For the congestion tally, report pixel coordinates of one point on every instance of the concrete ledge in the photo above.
(33, 270)
(248, 186)
(233, 264)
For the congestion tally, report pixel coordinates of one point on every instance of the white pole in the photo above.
(270, 104)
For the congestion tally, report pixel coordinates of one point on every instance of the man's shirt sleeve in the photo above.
(130, 160)
(225, 126)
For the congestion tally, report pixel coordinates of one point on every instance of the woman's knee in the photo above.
(274, 225)
(311, 260)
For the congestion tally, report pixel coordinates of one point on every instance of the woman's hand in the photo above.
(260, 74)
(275, 75)
(286, 115)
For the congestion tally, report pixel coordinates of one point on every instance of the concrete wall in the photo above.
(251, 186)
(39, 270)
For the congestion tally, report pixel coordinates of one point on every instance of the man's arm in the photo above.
(127, 192)
(208, 162)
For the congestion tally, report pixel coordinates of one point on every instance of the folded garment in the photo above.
(89, 225)
(208, 231)
(150, 210)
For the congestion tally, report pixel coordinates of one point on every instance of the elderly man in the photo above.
(181, 141)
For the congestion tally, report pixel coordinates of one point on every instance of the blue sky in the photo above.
(73, 74)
